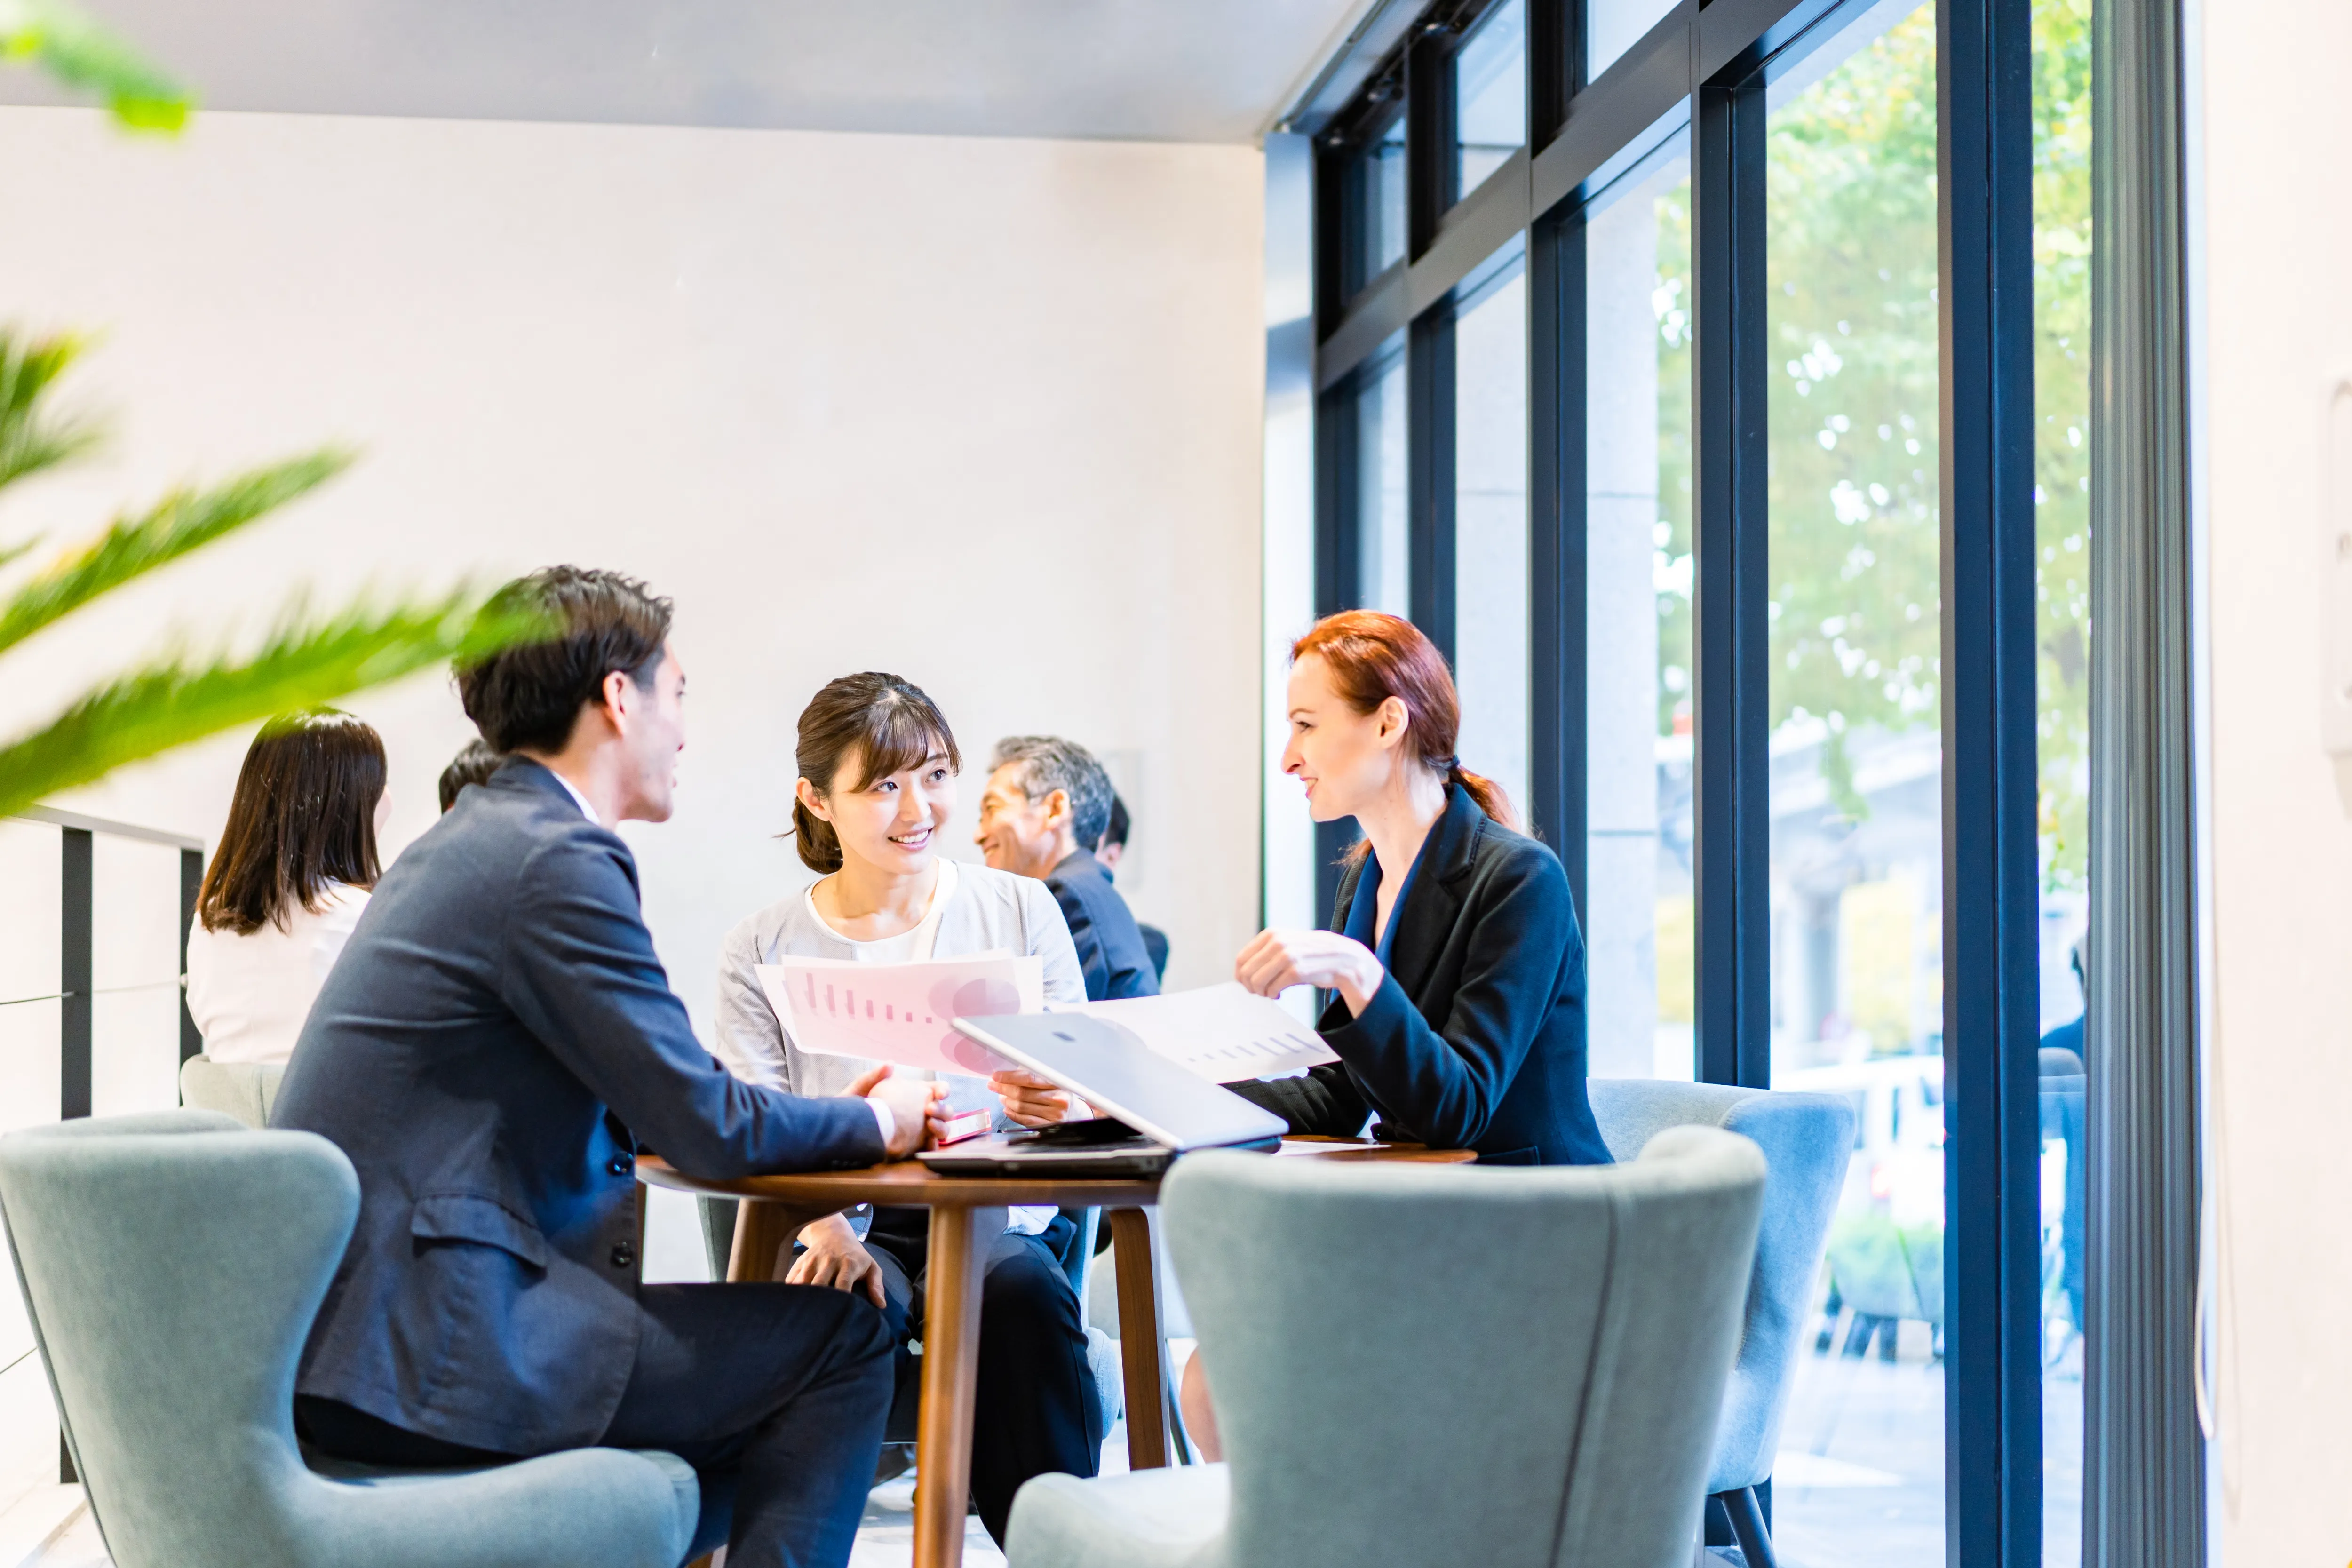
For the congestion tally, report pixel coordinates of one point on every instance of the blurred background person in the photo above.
(877, 788)
(293, 872)
(473, 765)
(1046, 800)
(1110, 854)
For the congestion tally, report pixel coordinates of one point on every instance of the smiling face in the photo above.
(892, 823)
(1343, 757)
(652, 722)
(1017, 834)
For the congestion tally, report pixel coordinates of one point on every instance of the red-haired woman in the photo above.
(1459, 1018)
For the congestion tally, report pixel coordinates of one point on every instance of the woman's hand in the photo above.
(836, 1256)
(917, 1107)
(1274, 961)
(1034, 1101)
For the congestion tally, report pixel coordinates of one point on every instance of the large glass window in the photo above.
(1613, 26)
(1640, 914)
(1490, 95)
(2061, 392)
(1373, 192)
(1490, 527)
(1856, 764)
(1380, 525)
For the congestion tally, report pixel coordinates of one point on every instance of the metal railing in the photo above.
(76, 991)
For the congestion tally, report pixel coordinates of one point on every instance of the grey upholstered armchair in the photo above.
(172, 1264)
(1807, 1142)
(1535, 1381)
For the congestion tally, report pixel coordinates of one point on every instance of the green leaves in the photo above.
(31, 437)
(306, 661)
(184, 520)
(74, 50)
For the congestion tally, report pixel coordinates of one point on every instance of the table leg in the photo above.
(1141, 1354)
(959, 1256)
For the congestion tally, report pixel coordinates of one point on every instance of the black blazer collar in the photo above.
(522, 773)
(1434, 900)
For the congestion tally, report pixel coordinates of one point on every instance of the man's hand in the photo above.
(1274, 961)
(915, 1107)
(836, 1257)
(1034, 1101)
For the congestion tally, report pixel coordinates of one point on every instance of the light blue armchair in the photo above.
(1534, 1382)
(1807, 1142)
(171, 1266)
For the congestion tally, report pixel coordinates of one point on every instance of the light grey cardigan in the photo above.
(988, 909)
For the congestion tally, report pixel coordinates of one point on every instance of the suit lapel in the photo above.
(1426, 914)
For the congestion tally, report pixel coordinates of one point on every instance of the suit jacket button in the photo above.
(624, 1255)
(623, 1165)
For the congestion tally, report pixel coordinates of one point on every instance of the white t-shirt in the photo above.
(250, 994)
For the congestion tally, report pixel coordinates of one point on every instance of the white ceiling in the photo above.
(1181, 70)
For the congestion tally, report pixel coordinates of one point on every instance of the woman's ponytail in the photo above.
(1485, 794)
(814, 836)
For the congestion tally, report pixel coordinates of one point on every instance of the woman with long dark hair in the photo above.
(286, 884)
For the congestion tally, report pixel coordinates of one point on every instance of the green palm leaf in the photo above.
(75, 51)
(183, 521)
(30, 439)
(305, 662)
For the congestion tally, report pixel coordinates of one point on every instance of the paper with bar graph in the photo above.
(901, 1013)
(1221, 1032)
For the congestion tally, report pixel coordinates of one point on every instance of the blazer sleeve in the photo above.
(1323, 1104)
(1047, 936)
(1446, 1087)
(1094, 965)
(578, 969)
(751, 1039)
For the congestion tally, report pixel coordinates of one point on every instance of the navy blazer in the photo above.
(1476, 1038)
(495, 1045)
(1110, 946)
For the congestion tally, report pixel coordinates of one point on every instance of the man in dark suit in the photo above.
(1046, 804)
(1109, 854)
(494, 1048)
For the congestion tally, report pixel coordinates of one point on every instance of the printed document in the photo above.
(901, 1013)
(1221, 1032)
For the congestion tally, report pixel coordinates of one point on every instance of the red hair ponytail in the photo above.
(1373, 656)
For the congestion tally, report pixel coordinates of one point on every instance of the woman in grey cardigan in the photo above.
(878, 767)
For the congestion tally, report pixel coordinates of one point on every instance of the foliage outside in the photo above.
(1855, 596)
(179, 694)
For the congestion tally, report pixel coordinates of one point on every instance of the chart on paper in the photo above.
(900, 1013)
(1221, 1032)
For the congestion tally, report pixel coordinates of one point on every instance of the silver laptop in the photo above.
(1154, 1109)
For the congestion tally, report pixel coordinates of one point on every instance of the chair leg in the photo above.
(1748, 1525)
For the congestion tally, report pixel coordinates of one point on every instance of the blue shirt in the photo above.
(1364, 911)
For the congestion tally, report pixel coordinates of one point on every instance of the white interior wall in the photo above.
(2279, 334)
(985, 413)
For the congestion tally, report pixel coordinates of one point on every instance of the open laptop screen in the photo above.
(1113, 1070)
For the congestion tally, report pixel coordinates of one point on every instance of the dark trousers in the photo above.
(1035, 1409)
(775, 1392)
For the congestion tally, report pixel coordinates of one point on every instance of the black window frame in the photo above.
(1703, 69)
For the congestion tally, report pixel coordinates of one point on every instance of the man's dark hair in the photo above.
(473, 765)
(530, 695)
(1048, 762)
(1115, 830)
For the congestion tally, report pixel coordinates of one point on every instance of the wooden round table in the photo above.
(967, 1212)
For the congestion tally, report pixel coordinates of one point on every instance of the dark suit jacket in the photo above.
(1111, 949)
(494, 1046)
(1476, 1038)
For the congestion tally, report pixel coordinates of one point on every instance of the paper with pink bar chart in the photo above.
(902, 1013)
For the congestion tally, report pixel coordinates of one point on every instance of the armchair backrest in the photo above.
(1534, 1377)
(172, 1264)
(1808, 1143)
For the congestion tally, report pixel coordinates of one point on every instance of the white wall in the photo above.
(2278, 331)
(983, 413)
